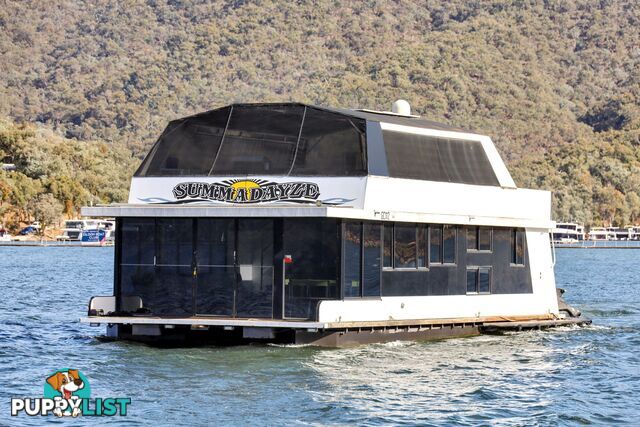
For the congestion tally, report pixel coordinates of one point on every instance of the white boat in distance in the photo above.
(88, 231)
(614, 233)
(568, 232)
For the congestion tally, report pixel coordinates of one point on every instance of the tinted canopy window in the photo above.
(187, 147)
(259, 141)
(330, 144)
(279, 139)
(437, 159)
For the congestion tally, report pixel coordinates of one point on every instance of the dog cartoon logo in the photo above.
(70, 385)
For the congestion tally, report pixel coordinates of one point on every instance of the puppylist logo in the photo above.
(67, 394)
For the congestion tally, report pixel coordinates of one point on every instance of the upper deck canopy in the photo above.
(294, 139)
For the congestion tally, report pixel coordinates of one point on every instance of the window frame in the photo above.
(514, 246)
(344, 264)
(387, 226)
(416, 226)
(476, 229)
(362, 257)
(477, 269)
(415, 238)
(442, 262)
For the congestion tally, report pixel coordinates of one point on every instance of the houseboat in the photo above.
(303, 224)
(601, 233)
(88, 232)
(568, 232)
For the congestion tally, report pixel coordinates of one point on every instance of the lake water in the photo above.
(567, 376)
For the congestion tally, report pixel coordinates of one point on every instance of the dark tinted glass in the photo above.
(437, 159)
(484, 280)
(371, 259)
(352, 264)
(254, 292)
(472, 238)
(138, 241)
(330, 144)
(259, 141)
(449, 244)
(314, 246)
(422, 246)
(187, 147)
(216, 270)
(484, 239)
(405, 246)
(216, 241)
(388, 245)
(472, 280)
(435, 249)
(518, 247)
(174, 241)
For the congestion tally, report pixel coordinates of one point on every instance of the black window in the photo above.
(138, 235)
(387, 252)
(479, 239)
(442, 244)
(187, 147)
(371, 247)
(404, 246)
(422, 243)
(472, 280)
(435, 245)
(479, 280)
(448, 244)
(259, 141)
(352, 259)
(437, 159)
(174, 243)
(330, 144)
(518, 247)
(484, 239)
(472, 238)
(313, 244)
(484, 280)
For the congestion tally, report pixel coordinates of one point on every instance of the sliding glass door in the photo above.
(205, 266)
(254, 278)
(156, 265)
(216, 272)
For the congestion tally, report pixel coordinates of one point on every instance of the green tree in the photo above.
(46, 209)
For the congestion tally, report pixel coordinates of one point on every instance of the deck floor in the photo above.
(489, 323)
(204, 321)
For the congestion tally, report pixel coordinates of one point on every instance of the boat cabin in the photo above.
(303, 223)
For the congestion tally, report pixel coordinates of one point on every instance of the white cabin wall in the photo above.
(541, 267)
(396, 195)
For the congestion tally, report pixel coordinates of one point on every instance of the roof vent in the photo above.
(401, 107)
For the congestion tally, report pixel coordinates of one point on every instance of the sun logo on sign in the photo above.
(246, 186)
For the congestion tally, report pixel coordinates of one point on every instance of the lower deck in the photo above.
(292, 268)
(232, 331)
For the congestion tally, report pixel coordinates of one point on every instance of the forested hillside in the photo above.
(555, 83)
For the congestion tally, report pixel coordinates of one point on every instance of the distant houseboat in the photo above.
(306, 224)
(568, 232)
(88, 231)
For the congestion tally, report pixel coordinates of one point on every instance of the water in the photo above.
(568, 376)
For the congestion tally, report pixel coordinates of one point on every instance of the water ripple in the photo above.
(569, 376)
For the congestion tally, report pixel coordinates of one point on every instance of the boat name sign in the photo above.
(247, 191)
